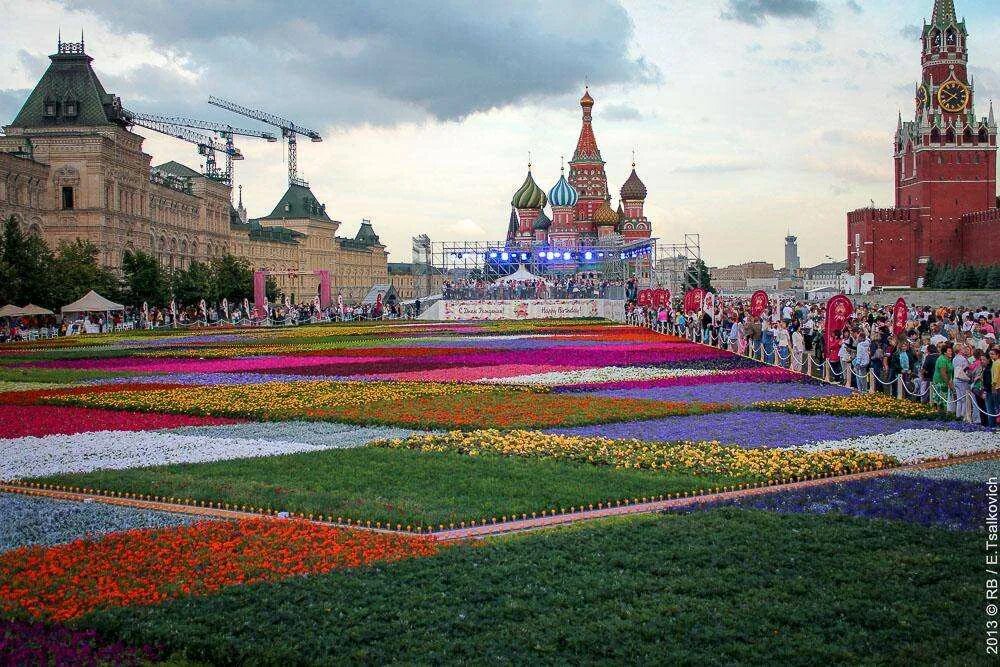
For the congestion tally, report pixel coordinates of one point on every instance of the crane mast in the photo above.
(207, 146)
(289, 131)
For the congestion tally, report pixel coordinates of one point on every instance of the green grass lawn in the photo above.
(399, 486)
(58, 375)
(714, 587)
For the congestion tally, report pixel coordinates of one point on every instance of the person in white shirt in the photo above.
(963, 384)
(798, 350)
(784, 344)
(862, 362)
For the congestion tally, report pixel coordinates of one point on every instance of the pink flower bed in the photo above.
(762, 374)
(17, 421)
(470, 374)
(238, 365)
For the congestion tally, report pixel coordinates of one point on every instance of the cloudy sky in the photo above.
(748, 117)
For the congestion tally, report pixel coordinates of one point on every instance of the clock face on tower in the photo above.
(953, 96)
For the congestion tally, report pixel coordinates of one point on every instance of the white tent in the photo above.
(92, 302)
(10, 310)
(32, 309)
(521, 275)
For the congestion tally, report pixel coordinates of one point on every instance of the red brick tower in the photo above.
(586, 174)
(945, 169)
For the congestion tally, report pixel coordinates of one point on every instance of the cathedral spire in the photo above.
(586, 145)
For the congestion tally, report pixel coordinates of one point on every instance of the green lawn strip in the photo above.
(395, 486)
(59, 375)
(715, 587)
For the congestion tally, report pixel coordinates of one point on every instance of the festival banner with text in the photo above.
(900, 314)
(692, 300)
(838, 311)
(758, 303)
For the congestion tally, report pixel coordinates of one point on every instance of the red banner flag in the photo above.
(692, 300)
(759, 303)
(661, 298)
(708, 305)
(900, 314)
(645, 298)
(838, 311)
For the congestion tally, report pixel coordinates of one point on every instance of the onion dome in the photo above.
(529, 195)
(634, 189)
(542, 222)
(586, 101)
(563, 194)
(604, 215)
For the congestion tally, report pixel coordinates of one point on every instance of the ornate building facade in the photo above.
(945, 172)
(70, 167)
(582, 214)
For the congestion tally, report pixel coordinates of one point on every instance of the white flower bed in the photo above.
(117, 450)
(599, 375)
(916, 445)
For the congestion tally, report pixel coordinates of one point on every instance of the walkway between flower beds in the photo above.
(513, 525)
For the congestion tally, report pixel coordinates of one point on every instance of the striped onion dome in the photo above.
(529, 195)
(605, 215)
(634, 189)
(542, 222)
(563, 194)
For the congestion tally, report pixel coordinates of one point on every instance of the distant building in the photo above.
(740, 277)
(826, 275)
(791, 257)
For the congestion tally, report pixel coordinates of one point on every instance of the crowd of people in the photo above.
(948, 357)
(578, 286)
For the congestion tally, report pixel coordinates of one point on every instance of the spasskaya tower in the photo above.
(945, 172)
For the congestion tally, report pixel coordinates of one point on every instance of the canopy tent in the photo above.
(92, 302)
(32, 309)
(521, 275)
(10, 310)
(388, 293)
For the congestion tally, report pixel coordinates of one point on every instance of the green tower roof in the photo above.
(69, 94)
(298, 203)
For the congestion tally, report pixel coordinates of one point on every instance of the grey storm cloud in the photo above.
(354, 62)
(757, 12)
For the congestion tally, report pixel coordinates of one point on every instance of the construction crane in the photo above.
(207, 146)
(224, 130)
(289, 130)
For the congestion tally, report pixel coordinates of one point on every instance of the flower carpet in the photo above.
(382, 433)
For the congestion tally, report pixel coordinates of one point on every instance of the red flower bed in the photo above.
(146, 567)
(36, 396)
(38, 420)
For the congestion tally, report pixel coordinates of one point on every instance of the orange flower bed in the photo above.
(146, 567)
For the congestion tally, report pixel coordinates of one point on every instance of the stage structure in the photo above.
(484, 260)
(677, 264)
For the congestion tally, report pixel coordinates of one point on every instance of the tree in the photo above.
(195, 283)
(26, 268)
(700, 276)
(76, 271)
(931, 275)
(945, 278)
(993, 281)
(144, 280)
(233, 278)
(966, 277)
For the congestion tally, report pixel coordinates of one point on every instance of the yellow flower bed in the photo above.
(698, 458)
(270, 400)
(855, 405)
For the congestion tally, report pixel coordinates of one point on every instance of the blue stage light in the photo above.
(588, 256)
(567, 255)
(504, 256)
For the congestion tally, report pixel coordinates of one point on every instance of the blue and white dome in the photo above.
(563, 194)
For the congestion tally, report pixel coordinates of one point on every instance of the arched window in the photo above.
(936, 39)
(984, 137)
(950, 136)
(967, 136)
(950, 39)
(936, 136)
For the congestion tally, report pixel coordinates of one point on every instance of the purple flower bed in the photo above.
(951, 504)
(40, 644)
(737, 392)
(757, 429)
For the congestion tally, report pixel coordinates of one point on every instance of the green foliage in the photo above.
(196, 282)
(963, 276)
(144, 280)
(57, 375)
(76, 271)
(233, 278)
(701, 277)
(721, 587)
(25, 263)
(398, 486)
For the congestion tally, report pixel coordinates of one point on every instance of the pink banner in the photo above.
(661, 298)
(900, 314)
(260, 293)
(838, 311)
(324, 289)
(645, 298)
(758, 303)
(692, 300)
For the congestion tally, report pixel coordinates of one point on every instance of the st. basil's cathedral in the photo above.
(945, 173)
(582, 214)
